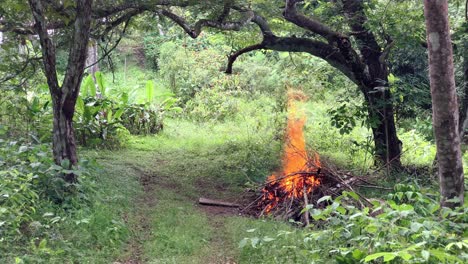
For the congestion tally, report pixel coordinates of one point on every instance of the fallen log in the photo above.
(209, 202)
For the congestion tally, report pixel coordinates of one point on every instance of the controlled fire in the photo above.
(300, 171)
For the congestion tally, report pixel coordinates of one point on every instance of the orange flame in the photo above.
(299, 169)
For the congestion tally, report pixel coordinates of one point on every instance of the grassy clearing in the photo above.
(177, 167)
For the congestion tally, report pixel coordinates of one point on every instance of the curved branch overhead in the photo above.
(195, 30)
(233, 57)
(336, 48)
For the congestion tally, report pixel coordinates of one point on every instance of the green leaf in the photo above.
(124, 98)
(405, 255)
(109, 116)
(23, 149)
(415, 226)
(149, 91)
(80, 104)
(324, 198)
(355, 215)
(88, 87)
(391, 78)
(254, 242)
(444, 256)
(358, 254)
(387, 256)
(118, 113)
(353, 195)
(65, 163)
(43, 244)
(100, 82)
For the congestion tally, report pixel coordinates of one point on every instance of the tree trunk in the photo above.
(373, 82)
(64, 145)
(444, 102)
(381, 117)
(64, 97)
(92, 58)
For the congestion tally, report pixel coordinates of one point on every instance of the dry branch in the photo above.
(210, 202)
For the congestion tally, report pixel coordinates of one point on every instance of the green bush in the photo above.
(26, 114)
(212, 105)
(98, 123)
(408, 227)
(104, 120)
(140, 119)
(185, 71)
(45, 220)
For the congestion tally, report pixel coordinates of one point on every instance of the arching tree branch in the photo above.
(101, 11)
(291, 44)
(195, 30)
(233, 57)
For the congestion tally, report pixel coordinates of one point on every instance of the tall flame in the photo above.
(298, 168)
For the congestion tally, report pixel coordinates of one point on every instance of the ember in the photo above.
(300, 172)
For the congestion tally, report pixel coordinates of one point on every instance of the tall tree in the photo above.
(444, 102)
(357, 54)
(64, 96)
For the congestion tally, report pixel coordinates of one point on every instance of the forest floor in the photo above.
(167, 224)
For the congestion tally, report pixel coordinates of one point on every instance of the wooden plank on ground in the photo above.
(210, 202)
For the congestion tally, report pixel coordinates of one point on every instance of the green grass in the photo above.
(183, 163)
(89, 227)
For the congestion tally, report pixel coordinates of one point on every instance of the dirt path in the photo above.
(140, 223)
(159, 197)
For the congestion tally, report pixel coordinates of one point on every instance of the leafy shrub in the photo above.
(98, 123)
(17, 202)
(259, 74)
(39, 216)
(408, 227)
(105, 121)
(212, 105)
(139, 119)
(185, 71)
(151, 43)
(26, 114)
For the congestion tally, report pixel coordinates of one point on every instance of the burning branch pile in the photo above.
(303, 179)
